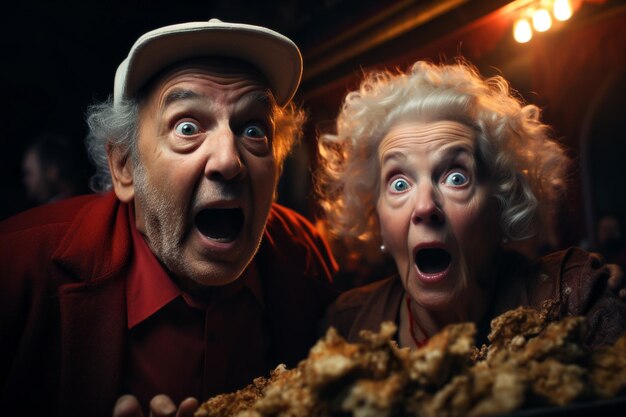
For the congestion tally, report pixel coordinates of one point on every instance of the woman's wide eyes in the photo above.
(399, 185)
(187, 128)
(456, 179)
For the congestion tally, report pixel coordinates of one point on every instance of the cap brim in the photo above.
(273, 54)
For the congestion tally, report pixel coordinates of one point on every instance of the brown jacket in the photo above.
(573, 278)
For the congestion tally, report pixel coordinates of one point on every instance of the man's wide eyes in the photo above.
(254, 131)
(187, 128)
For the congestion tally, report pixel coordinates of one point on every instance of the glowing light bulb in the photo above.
(522, 32)
(563, 10)
(542, 20)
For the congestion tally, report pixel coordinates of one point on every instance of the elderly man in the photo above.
(185, 279)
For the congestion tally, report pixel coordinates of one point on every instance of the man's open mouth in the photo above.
(220, 224)
(432, 260)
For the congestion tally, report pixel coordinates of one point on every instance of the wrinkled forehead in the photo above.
(219, 67)
(431, 136)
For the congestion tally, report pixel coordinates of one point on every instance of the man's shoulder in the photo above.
(284, 219)
(292, 236)
(296, 270)
(68, 228)
(50, 215)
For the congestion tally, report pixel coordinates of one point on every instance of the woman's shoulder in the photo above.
(569, 260)
(359, 294)
(356, 297)
(580, 287)
(364, 307)
(563, 275)
(575, 270)
(568, 265)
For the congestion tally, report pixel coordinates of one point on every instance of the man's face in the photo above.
(206, 172)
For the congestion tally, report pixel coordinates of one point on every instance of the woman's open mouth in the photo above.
(220, 224)
(432, 263)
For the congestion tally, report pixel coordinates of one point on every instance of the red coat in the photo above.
(63, 306)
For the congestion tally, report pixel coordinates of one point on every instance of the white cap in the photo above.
(273, 54)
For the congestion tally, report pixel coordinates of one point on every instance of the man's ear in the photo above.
(121, 168)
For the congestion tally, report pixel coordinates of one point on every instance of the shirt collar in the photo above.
(149, 288)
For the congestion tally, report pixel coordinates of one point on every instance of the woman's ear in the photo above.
(121, 170)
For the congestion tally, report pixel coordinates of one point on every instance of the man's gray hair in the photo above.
(115, 126)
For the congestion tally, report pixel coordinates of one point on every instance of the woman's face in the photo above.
(437, 217)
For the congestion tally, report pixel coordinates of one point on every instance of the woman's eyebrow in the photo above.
(393, 156)
(454, 151)
(457, 155)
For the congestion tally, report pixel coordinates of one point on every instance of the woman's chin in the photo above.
(435, 301)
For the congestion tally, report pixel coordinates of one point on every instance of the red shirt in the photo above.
(181, 346)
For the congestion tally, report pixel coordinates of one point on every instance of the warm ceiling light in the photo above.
(542, 20)
(563, 10)
(522, 31)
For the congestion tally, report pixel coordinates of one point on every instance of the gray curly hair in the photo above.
(117, 126)
(513, 145)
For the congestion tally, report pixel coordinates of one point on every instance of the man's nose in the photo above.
(223, 160)
(427, 209)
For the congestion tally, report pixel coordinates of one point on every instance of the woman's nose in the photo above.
(427, 208)
(223, 159)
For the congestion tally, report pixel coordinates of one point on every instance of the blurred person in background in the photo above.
(610, 239)
(53, 169)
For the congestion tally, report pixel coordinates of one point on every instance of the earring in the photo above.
(383, 249)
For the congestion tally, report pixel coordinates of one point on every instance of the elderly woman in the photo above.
(443, 169)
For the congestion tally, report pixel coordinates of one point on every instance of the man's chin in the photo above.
(215, 275)
(201, 268)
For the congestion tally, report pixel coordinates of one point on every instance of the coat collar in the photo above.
(95, 250)
(93, 318)
(98, 243)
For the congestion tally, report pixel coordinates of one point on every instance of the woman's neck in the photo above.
(417, 324)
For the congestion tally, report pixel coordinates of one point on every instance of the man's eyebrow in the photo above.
(179, 94)
(264, 98)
